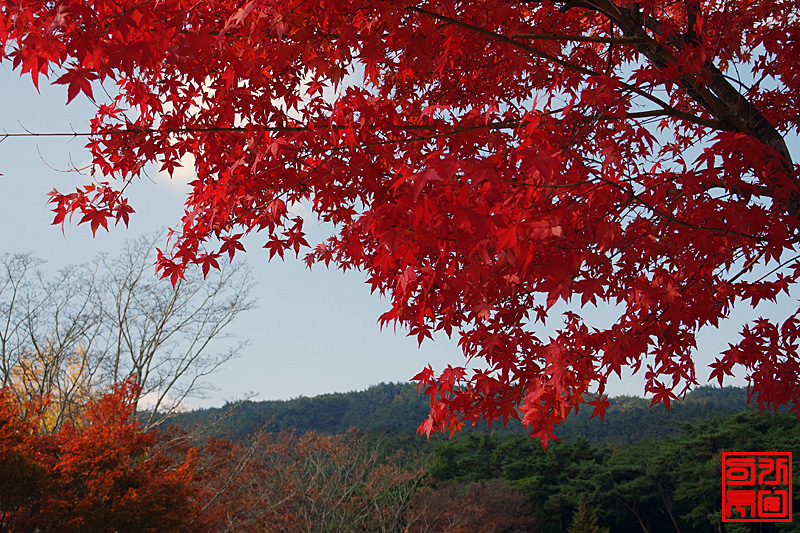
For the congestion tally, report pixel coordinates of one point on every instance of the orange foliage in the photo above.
(104, 474)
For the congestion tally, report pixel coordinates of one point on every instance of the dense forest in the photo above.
(641, 469)
(664, 485)
(397, 408)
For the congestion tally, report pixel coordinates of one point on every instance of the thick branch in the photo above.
(577, 38)
(721, 99)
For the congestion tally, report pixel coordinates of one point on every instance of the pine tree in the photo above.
(585, 520)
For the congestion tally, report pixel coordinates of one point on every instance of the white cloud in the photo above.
(151, 399)
(181, 176)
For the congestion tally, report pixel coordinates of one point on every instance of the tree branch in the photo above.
(577, 38)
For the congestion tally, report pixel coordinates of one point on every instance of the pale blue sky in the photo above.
(313, 332)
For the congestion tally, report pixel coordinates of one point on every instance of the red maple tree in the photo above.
(481, 160)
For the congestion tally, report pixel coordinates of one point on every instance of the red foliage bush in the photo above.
(102, 473)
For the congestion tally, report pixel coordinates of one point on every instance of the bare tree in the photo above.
(48, 334)
(73, 335)
(309, 482)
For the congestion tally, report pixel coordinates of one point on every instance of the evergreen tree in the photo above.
(585, 521)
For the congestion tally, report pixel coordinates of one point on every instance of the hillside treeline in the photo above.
(642, 469)
(105, 472)
(398, 408)
(488, 482)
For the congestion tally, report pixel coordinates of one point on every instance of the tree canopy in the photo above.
(481, 160)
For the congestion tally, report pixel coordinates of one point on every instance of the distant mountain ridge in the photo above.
(397, 408)
(394, 407)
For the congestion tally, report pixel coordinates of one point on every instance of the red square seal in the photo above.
(757, 486)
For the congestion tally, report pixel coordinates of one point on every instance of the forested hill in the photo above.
(397, 408)
(386, 407)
